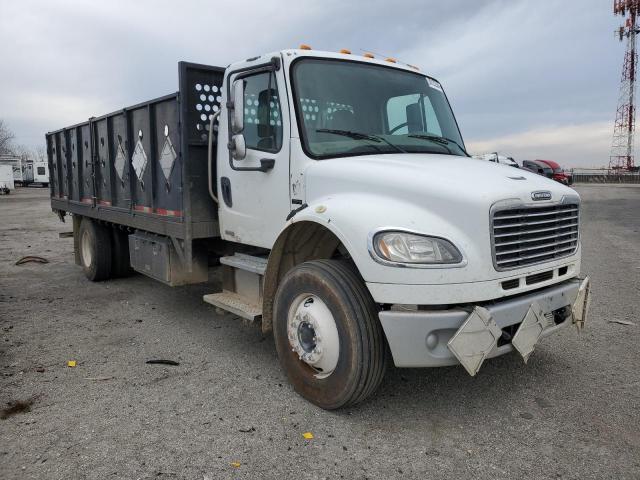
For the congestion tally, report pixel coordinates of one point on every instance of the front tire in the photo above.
(95, 250)
(327, 334)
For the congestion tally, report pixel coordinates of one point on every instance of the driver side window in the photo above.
(412, 114)
(262, 115)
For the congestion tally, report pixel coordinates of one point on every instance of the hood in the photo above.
(440, 195)
(444, 177)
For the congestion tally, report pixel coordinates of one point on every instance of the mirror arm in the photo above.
(210, 156)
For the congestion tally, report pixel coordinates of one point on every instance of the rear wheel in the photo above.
(95, 250)
(327, 334)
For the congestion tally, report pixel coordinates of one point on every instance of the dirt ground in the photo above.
(226, 411)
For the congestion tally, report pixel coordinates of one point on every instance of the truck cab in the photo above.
(351, 222)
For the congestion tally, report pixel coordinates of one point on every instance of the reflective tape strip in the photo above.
(142, 208)
(168, 213)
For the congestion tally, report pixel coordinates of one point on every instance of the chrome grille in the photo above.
(536, 234)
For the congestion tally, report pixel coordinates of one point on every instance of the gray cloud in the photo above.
(512, 69)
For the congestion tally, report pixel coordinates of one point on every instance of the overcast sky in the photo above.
(533, 79)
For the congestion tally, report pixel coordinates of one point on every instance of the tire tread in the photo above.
(344, 278)
(101, 268)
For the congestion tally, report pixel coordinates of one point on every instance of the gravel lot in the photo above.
(571, 412)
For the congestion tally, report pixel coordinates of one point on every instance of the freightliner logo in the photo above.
(541, 195)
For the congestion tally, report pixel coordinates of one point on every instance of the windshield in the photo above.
(348, 108)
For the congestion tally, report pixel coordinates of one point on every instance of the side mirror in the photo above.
(237, 117)
(237, 147)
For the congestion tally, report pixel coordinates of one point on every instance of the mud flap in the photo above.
(528, 334)
(475, 340)
(580, 308)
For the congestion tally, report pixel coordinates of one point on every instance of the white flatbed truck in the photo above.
(335, 193)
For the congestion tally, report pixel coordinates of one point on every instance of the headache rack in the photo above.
(529, 235)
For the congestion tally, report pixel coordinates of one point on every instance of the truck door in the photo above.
(253, 191)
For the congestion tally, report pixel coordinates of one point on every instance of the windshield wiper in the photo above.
(441, 140)
(361, 136)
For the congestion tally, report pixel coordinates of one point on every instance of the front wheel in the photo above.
(327, 334)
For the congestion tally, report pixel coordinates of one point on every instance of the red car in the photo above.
(559, 174)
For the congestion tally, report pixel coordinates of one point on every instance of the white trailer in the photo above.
(22, 170)
(6, 179)
(41, 173)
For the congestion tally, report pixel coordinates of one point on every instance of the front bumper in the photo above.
(421, 338)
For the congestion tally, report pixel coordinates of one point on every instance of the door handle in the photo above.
(225, 185)
(266, 164)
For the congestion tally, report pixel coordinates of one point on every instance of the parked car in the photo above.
(497, 158)
(531, 169)
(538, 167)
(559, 174)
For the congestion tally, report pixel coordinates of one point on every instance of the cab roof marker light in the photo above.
(305, 47)
(368, 55)
(345, 51)
(392, 60)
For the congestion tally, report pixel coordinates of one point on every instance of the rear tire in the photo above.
(340, 299)
(120, 265)
(95, 250)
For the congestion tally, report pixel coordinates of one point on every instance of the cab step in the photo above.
(242, 282)
(234, 303)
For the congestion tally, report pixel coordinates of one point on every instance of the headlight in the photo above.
(403, 247)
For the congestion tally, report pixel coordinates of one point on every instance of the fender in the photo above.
(304, 237)
(353, 216)
(347, 219)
